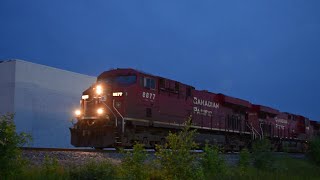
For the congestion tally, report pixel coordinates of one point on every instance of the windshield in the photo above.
(122, 80)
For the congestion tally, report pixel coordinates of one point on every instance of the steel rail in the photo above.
(150, 151)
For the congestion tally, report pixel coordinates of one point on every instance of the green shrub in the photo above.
(93, 170)
(262, 155)
(314, 150)
(244, 161)
(213, 164)
(286, 168)
(133, 165)
(51, 169)
(10, 155)
(178, 162)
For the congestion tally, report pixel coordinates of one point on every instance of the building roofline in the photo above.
(50, 67)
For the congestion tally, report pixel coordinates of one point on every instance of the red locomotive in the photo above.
(125, 106)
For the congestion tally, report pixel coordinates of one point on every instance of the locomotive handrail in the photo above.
(122, 124)
(257, 132)
(247, 124)
(111, 112)
(254, 131)
(261, 130)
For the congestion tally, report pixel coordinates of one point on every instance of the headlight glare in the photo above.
(77, 112)
(99, 90)
(100, 111)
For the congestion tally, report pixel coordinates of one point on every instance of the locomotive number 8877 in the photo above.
(125, 106)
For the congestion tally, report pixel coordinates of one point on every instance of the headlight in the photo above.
(77, 112)
(100, 111)
(99, 90)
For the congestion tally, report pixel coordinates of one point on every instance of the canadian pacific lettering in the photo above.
(283, 121)
(203, 112)
(203, 104)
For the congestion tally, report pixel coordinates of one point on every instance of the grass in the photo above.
(178, 163)
(283, 168)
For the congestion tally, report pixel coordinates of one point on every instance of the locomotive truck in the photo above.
(125, 106)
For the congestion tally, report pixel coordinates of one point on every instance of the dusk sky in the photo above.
(267, 52)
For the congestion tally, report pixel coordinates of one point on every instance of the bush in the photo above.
(178, 162)
(314, 150)
(51, 169)
(10, 141)
(93, 170)
(286, 168)
(262, 155)
(213, 164)
(244, 161)
(133, 165)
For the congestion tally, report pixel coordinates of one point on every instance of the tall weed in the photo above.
(314, 150)
(133, 165)
(11, 161)
(213, 164)
(93, 170)
(262, 155)
(178, 162)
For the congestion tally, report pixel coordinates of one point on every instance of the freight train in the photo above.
(126, 106)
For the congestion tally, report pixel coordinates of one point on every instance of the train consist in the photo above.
(126, 106)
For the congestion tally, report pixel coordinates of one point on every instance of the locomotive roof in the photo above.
(257, 107)
(122, 71)
(315, 123)
(233, 100)
(114, 72)
(221, 97)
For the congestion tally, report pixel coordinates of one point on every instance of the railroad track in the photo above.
(114, 150)
(71, 156)
(65, 149)
(106, 150)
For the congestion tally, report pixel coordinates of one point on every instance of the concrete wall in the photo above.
(44, 101)
(7, 77)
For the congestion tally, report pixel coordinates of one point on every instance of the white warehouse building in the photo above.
(43, 99)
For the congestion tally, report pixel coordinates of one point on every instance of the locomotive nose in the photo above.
(93, 101)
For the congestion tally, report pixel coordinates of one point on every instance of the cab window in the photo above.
(121, 80)
(126, 80)
(149, 83)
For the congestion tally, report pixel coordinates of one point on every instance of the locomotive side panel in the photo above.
(282, 123)
(205, 110)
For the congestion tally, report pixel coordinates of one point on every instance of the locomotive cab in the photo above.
(100, 116)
